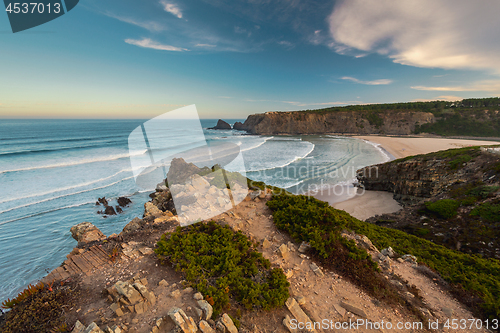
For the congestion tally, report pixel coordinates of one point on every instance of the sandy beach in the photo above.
(371, 203)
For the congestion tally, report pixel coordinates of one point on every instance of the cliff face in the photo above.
(347, 122)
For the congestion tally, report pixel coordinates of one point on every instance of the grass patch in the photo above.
(224, 265)
(488, 211)
(313, 220)
(446, 208)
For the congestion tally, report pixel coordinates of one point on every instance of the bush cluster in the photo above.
(313, 220)
(446, 208)
(224, 265)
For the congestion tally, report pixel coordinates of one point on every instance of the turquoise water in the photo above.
(53, 171)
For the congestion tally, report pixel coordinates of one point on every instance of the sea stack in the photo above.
(238, 126)
(221, 125)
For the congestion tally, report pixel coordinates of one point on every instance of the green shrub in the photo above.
(488, 211)
(446, 208)
(462, 271)
(484, 191)
(459, 161)
(224, 265)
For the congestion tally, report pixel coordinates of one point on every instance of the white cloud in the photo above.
(205, 45)
(447, 34)
(370, 83)
(486, 85)
(286, 44)
(171, 8)
(151, 44)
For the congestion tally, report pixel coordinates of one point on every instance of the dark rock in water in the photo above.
(119, 210)
(102, 201)
(100, 212)
(110, 210)
(180, 171)
(221, 125)
(122, 201)
(238, 126)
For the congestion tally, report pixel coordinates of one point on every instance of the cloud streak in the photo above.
(151, 44)
(171, 8)
(370, 83)
(492, 86)
(450, 34)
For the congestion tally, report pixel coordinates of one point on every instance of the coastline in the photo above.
(370, 203)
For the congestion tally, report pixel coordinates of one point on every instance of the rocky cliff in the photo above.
(346, 122)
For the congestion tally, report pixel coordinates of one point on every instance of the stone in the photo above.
(199, 312)
(188, 290)
(301, 300)
(205, 327)
(140, 308)
(341, 311)
(353, 309)
(86, 232)
(144, 281)
(163, 283)
(285, 253)
(128, 291)
(228, 323)
(124, 201)
(207, 309)
(297, 312)
(93, 328)
(220, 327)
(266, 244)
(388, 252)
(186, 324)
(114, 329)
(304, 247)
(199, 183)
(79, 327)
(410, 258)
(198, 296)
(175, 294)
(221, 125)
(316, 270)
(133, 225)
(151, 210)
(116, 309)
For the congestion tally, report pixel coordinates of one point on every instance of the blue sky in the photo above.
(139, 59)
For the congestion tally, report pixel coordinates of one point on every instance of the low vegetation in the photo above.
(446, 208)
(224, 266)
(311, 220)
(40, 311)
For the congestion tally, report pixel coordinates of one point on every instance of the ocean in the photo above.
(53, 171)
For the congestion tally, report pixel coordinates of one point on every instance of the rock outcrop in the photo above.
(238, 126)
(346, 122)
(221, 125)
(86, 232)
(180, 171)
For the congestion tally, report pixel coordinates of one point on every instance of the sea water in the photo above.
(53, 171)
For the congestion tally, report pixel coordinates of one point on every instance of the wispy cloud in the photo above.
(451, 34)
(486, 85)
(370, 83)
(148, 25)
(206, 45)
(302, 104)
(171, 8)
(286, 44)
(447, 98)
(151, 44)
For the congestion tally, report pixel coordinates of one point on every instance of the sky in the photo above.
(232, 58)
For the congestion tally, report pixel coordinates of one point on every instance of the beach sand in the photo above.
(371, 203)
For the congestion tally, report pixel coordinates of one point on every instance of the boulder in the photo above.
(238, 126)
(109, 210)
(185, 323)
(205, 327)
(388, 252)
(102, 201)
(128, 291)
(228, 323)
(151, 210)
(93, 328)
(86, 232)
(221, 125)
(206, 307)
(410, 258)
(118, 209)
(123, 201)
(133, 225)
